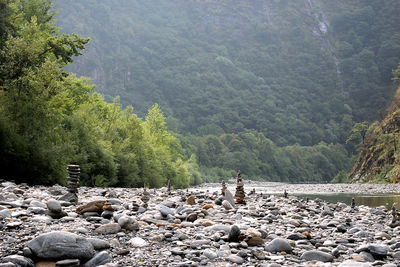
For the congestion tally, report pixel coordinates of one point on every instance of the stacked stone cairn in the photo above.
(223, 188)
(73, 183)
(395, 217)
(240, 194)
(145, 197)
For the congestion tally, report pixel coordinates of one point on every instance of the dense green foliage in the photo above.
(379, 157)
(49, 118)
(292, 73)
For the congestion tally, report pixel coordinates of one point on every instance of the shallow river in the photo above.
(372, 195)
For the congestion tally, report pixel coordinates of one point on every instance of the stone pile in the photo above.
(240, 194)
(268, 231)
(74, 172)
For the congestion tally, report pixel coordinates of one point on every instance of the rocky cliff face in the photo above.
(379, 159)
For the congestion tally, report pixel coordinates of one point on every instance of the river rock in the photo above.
(234, 234)
(229, 197)
(227, 205)
(138, 242)
(111, 228)
(99, 244)
(19, 260)
(99, 259)
(68, 263)
(235, 259)
(279, 245)
(165, 211)
(317, 255)
(93, 206)
(61, 245)
(378, 251)
(54, 206)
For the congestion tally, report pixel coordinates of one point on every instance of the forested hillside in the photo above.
(297, 73)
(379, 157)
(50, 118)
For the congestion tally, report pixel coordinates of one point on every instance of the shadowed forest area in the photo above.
(193, 90)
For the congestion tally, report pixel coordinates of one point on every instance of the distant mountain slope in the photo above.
(298, 71)
(379, 159)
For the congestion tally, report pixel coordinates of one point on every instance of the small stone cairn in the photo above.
(223, 188)
(240, 194)
(145, 197)
(395, 217)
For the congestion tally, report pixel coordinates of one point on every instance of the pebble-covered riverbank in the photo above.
(194, 227)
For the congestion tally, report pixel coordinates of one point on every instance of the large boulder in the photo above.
(61, 245)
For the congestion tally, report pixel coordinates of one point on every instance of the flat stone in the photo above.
(61, 245)
(210, 254)
(279, 245)
(317, 255)
(19, 260)
(111, 228)
(165, 211)
(235, 259)
(68, 263)
(99, 259)
(99, 244)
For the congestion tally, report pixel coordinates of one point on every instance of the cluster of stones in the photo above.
(112, 227)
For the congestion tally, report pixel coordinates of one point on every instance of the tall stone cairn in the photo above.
(240, 194)
(73, 178)
(73, 183)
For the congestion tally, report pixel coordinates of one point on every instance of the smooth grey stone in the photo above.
(129, 223)
(5, 214)
(8, 264)
(61, 245)
(19, 260)
(99, 259)
(27, 252)
(227, 205)
(367, 256)
(278, 245)
(99, 244)
(36, 203)
(107, 229)
(210, 254)
(228, 196)
(317, 255)
(54, 205)
(235, 259)
(165, 211)
(37, 210)
(68, 263)
(378, 252)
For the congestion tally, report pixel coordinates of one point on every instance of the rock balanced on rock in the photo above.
(74, 172)
(240, 194)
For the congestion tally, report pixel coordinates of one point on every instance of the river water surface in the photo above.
(372, 195)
